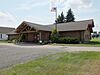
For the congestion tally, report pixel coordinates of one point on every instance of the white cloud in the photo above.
(77, 4)
(6, 19)
(39, 20)
(57, 1)
(31, 4)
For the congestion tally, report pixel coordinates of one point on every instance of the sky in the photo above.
(14, 12)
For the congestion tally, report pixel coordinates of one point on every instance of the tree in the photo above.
(61, 18)
(95, 34)
(54, 36)
(70, 16)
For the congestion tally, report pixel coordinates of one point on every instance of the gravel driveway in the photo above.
(15, 54)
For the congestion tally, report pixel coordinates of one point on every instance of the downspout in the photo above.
(83, 36)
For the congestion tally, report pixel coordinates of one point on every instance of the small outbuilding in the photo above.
(4, 31)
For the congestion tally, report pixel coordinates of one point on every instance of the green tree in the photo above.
(61, 18)
(70, 16)
(54, 36)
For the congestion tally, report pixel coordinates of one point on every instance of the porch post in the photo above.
(40, 35)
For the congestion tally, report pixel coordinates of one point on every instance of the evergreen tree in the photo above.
(59, 19)
(70, 16)
(62, 18)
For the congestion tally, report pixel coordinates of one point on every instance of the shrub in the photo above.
(54, 36)
(62, 40)
(13, 40)
(68, 40)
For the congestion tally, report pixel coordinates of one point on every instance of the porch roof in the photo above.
(29, 32)
(12, 33)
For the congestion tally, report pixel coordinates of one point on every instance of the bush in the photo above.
(13, 40)
(62, 40)
(54, 36)
(68, 40)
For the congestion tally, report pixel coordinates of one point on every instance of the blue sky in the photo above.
(13, 12)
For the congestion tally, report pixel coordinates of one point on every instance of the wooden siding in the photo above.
(31, 37)
(87, 35)
(73, 34)
(45, 35)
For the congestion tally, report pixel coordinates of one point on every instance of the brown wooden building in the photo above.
(34, 32)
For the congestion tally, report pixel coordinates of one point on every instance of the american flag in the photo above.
(53, 6)
(53, 9)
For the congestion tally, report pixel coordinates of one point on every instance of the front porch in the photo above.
(28, 33)
(30, 36)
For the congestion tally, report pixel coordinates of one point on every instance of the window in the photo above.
(1, 36)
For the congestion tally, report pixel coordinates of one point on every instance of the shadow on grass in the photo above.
(94, 43)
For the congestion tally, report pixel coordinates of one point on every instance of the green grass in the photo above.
(80, 63)
(3, 41)
(96, 40)
(94, 43)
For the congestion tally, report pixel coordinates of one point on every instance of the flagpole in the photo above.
(54, 9)
(56, 20)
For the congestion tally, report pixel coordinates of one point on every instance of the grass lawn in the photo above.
(3, 41)
(80, 63)
(94, 42)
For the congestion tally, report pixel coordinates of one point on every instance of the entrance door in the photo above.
(32, 37)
